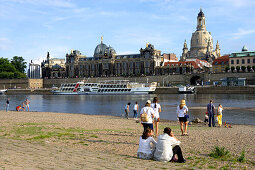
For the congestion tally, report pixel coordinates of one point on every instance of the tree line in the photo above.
(12, 69)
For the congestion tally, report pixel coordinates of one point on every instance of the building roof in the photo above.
(196, 63)
(221, 60)
(243, 53)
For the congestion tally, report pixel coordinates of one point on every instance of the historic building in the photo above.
(201, 44)
(242, 61)
(220, 64)
(105, 62)
(53, 67)
(72, 60)
(34, 71)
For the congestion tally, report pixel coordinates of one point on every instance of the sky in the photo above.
(30, 28)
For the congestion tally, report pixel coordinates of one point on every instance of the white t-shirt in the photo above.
(156, 109)
(220, 110)
(164, 147)
(135, 107)
(149, 111)
(145, 145)
(181, 112)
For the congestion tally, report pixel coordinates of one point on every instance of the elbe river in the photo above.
(238, 108)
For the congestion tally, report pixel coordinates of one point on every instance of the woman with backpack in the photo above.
(157, 109)
(147, 115)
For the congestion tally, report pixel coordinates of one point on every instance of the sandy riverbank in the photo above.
(43, 140)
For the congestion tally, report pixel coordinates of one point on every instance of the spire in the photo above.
(217, 45)
(185, 44)
(102, 39)
(201, 20)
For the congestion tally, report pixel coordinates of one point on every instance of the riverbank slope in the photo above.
(46, 140)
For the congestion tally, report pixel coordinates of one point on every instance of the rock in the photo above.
(197, 120)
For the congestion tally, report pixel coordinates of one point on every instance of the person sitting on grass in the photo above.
(145, 150)
(168, 147)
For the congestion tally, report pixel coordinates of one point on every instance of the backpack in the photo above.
(144, 116)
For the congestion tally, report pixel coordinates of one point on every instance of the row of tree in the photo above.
(12, 69)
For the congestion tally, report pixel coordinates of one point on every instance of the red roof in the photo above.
(193, 63)
(221, 59)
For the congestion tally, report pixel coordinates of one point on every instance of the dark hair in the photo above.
(155, 100)
(136, 102)
(167, 130)
(145, 133)
(129, 103)
(211, 101)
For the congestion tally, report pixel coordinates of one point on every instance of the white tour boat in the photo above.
(3, 91)
(106, 87)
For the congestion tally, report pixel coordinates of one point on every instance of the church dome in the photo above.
(100, 49)
(109, 51)
(244, 48)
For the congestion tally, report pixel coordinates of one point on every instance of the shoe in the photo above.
(183, 161)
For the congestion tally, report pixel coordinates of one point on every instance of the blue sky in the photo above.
(30, 28)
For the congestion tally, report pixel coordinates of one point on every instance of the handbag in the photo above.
(186, 116)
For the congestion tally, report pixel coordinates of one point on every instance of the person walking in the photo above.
(127, 109)
(7, 104)
(147, 115)
(135, 109)
(167, 147)
(27, 104)
(210, 110)
(219, 115)
(182, 112)
(157, 109)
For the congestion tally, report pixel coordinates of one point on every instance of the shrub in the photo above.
(249, 68)
(232, 68)
(219, 152)
(242, 157)
(237, 68)
(253, 67)
(227, 68)
(243, 68)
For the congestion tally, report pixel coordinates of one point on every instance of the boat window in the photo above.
(129, 89)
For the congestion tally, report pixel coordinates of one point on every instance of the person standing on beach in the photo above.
(182, 111)
(127, 109)
(147, 115)
(219, 115)
(135, 110)
(157, 109)
(210, 110)
(27, 104)
(7, 104)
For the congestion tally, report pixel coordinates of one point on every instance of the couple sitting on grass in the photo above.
(165, 149)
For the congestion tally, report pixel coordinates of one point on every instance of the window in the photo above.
(248, 61)
(254, 60)
(237, 61)
(232, 61)
(243, 61)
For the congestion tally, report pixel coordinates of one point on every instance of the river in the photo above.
(239, 108)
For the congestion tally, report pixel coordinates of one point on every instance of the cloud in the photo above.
(243, 32)
(5, 43)
(55, 3)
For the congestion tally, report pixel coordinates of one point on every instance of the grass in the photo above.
(219, 152)
(241, 158)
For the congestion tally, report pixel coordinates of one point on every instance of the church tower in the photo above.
(201, 20)
(184, 52)
(217, 49)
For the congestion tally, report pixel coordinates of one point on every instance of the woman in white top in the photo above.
(181, 111)
(149, 112)
(157, 109)
(145, 150)
(219, 115)
(135, 110)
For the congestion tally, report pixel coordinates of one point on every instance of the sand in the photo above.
(45, 140)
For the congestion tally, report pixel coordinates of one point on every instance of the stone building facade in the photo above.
(53, 67)
(201, 44)
(72, 60)
(106, 62)
(243, 59)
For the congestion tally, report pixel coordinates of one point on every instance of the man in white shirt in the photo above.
(167, 147)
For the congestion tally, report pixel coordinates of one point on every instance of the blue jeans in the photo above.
(135, 114)
(7, 107)
(211, 120)
(147, 125)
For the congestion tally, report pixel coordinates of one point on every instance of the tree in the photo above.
(6, 66)
(249, 68)
(243, 68)
(19, 63)
(237, 68)
(227, 68)
(232, 68)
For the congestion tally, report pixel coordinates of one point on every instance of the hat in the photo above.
(148, 101)
(183, 102)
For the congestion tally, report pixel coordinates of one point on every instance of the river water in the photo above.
(238, 108)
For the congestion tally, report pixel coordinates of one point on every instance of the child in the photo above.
(206, 118)
(145, 150)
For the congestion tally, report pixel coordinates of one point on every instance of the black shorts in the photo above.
(183, 119)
